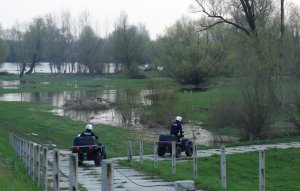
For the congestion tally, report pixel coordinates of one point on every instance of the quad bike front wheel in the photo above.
(189, 150)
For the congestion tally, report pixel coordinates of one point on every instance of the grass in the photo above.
(282, 171)
(25, 118)
(13, 175)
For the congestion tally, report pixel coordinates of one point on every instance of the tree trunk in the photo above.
(23, 69)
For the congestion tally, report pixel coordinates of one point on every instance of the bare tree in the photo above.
(17, 37)
(34, 43)
(128, 44)
(242, 14)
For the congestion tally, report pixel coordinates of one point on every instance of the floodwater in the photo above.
(44, 67)
(117, 116)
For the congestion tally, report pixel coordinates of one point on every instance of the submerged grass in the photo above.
(282, 171)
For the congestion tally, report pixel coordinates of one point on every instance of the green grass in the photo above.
(54, 83)
(13, 175)
(25, 118)
(282, 171)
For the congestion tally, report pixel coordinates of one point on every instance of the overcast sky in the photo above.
(156, 15)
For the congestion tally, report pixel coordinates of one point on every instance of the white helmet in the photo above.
(89, 126)
(178, 118)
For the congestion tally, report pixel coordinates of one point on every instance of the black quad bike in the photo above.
(165, 145)
(88, 149)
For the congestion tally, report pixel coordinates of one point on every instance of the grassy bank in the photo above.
(282, 171)
(13, 175)
(27, 119)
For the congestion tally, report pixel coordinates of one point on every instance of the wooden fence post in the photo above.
(195, 162)
(223, 169)
(262, 170)
(141, 150)
(36, 166)
(73, 172)
(45, 168)
(129, 150)
(155, 154)
(173, 157)
(28, 156)
(56, 173)
(107, 175)
(24, 151)
(31, 159)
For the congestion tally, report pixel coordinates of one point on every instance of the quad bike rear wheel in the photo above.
(161, 151)
(178, 151)
(97, 159)
(80, 160)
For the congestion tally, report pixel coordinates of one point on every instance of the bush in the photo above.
(163, 103)
(245, 110)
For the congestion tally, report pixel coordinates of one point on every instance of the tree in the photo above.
(17, 53)
(244, 15)
(53, 44)
(183, 52)
(88, 46)
(257, 57)
(34, 43)
(3, 49)
(128, 44)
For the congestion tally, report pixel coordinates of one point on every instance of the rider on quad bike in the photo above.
(88, 131)
(176, 133)
(176, 128)
(87, 148)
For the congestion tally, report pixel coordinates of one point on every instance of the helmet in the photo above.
(178, 118)
(89, 126)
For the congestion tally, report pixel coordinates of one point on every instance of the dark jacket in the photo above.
(88, 132)
(176, 129)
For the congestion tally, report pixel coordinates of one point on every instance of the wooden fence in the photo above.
(35, 159)
(223, 176)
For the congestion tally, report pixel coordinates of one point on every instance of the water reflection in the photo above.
(44, 67)
(122, 112)
(124, 109)
(10, 84)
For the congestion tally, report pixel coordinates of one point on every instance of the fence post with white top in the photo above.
(262, 170)
(173, 157)
(155, 154)
(195, 162)
(129, 150)
(141, 150)
(223, 169)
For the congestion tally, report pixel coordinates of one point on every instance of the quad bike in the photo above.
(165, 145)
(88, 149)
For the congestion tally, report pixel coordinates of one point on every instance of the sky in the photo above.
(156, 15)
